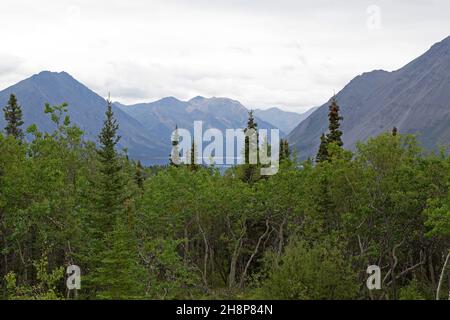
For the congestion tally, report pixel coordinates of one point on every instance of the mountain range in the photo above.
(415, 99)
(145, 129)
(161, 117)
(86, 109)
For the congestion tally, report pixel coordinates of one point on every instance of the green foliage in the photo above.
(285, 151)
(411, 292)
(311, 272)
(45, 287)
(438, 213)
(179, 232)
(120, 274)
(322, 154)
(169, 277)
(139, 175)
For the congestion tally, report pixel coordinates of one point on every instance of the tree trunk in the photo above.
(441, 278)
(234, 259)
(431, 269)
(244, 274)
(280, 240)
(448, 281)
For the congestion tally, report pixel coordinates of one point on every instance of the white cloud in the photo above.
(286, 53)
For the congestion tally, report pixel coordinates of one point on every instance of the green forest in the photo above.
(197, 232)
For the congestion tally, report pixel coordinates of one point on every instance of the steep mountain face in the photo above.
(285, 121)
(162, 116)
(415, 99)
(86, 109)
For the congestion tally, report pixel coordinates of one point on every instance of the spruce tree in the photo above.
(13, 117)
(394, 131)
(335, 134)
(251, 143)
(322, 154)
(111, 177)
(120, 274)
(281, 149)
(285, 152)
(139, 175)
(249, 172)
(108, 197)
(193, 157)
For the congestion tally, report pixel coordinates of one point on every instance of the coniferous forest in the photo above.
(197, 232)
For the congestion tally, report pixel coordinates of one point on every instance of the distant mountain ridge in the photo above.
(161, 117)
(284, 120)
(415, 99)
(145, 129)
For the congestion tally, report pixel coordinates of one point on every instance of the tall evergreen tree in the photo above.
(253, 141)
(193, 166)
(109, 196)
(250, 172)
(13, 117)
(285, 152)
(111, 177)
(322, 154)
(281, 149)
(139, 175)
(335, 134)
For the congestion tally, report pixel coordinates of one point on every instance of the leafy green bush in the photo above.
(306, 272)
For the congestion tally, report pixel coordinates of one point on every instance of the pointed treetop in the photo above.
(251, 124)
(13, 117)
(334, 118)
(394, 131)
(322, 154)
(108, 136)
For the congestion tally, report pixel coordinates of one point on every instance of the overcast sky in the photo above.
(287, 53)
